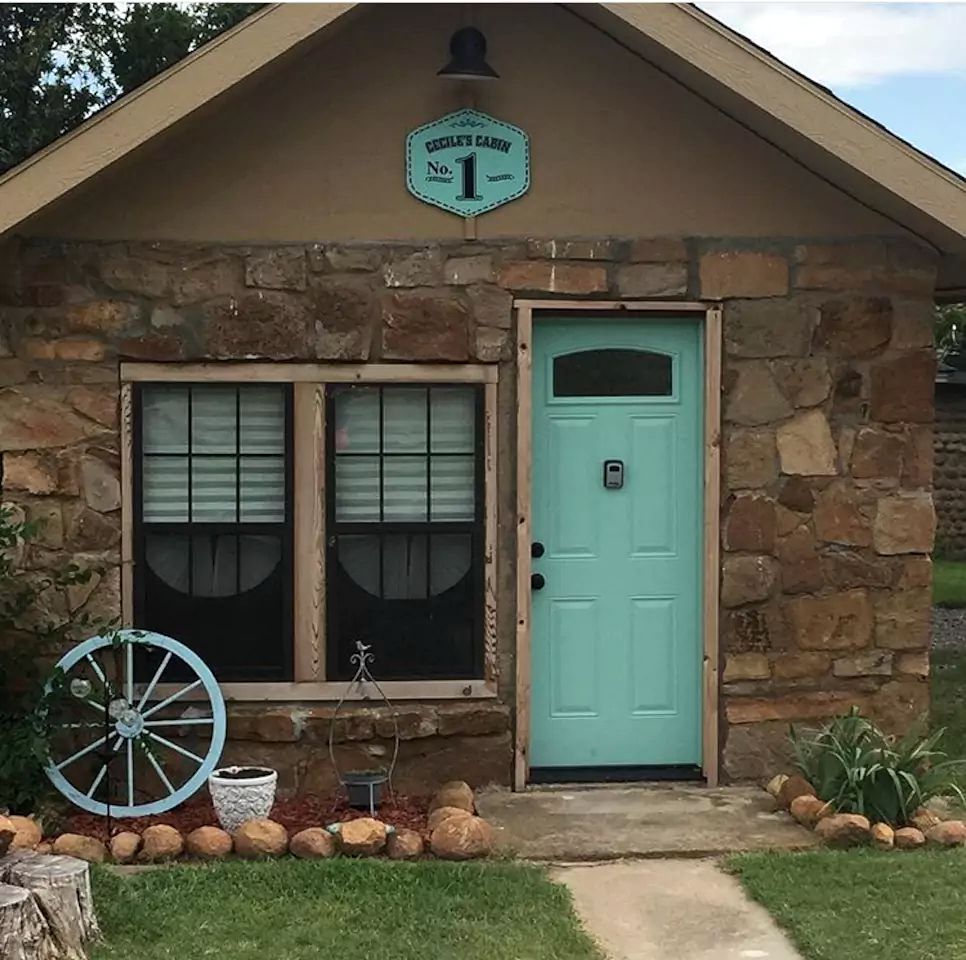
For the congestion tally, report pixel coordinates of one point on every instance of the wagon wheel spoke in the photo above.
(171, 699)
(103, 771)
(82, 753)
(129, 670)
(175, 747)
(157, 769)
(180, 722)
(130, 773)
(154, 681)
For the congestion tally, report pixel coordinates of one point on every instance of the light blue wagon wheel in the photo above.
(137, 721)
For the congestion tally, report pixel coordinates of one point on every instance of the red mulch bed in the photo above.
(294, 814)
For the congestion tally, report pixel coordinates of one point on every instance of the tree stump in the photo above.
(24, 933)
(61, 887)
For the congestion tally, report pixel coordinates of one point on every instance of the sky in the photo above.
(903, 64)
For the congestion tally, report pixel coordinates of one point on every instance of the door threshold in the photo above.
(627, 774)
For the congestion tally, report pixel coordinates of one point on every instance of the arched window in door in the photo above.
(612, 372)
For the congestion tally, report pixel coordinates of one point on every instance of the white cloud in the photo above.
(854, 44)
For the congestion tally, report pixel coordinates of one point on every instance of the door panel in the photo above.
(616, 644)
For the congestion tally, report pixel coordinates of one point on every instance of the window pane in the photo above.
(612, 373)
(359, 557)
(357, 489)
(404, 567)
(164, 419)
(450, 558)
(452, 492)
(213, 419)
(164, 489)
(404, 420)
(263, 419)
(453, 419)
(262, 490)
(357, 420)
(404, 489)
(213, 489)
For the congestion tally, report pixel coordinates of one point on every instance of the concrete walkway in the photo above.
(648, 820)
(672, 910)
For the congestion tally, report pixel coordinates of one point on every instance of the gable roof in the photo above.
(778, 104)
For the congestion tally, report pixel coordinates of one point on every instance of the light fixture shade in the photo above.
(467, 48)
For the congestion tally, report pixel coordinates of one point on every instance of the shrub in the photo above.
(33, 629)
(852, 764)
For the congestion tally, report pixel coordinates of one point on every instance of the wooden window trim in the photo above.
(310, 380)
(711, 317)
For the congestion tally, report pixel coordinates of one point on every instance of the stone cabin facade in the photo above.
(265, 227)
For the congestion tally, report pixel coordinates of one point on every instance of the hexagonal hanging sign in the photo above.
(467, 163)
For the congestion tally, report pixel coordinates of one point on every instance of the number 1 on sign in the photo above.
(468, 164)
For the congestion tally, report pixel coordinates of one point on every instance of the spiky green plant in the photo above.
(857, 768)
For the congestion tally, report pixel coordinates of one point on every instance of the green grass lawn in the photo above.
(949, 583)
(863, 904)
(345, 909)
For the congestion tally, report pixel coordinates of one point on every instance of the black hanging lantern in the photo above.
(364, 788)
(467, 49)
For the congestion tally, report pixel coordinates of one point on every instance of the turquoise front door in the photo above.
(616, 521)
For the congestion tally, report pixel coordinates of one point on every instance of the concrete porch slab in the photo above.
(649, 820)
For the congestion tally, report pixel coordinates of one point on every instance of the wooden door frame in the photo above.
(711, 316)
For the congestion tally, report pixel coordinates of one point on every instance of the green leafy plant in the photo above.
(857, 768)
(34, 628)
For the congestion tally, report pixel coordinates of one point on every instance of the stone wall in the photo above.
(827, 515)
(950, 480)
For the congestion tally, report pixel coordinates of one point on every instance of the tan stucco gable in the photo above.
(761, 107)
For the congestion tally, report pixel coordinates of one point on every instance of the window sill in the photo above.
(333, 691)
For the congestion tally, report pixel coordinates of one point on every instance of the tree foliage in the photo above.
(950, 328)
(59, 62)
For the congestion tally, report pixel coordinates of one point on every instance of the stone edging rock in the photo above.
(796, 795)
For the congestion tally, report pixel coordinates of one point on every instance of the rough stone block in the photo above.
(767, 328)
(658, 250)
(913, 664)
(553, 277)
(805, 383)
(746, 666)
(854, 328)
(97, 403)
(753, 397)
(34, 418)
(904, 525)
(747, 579)
(425, 326)
(805, 445)
(839, 621)
(902, 619)
(490, 344)
(652, 279)
(262, 324)
(877, 454)
(344, 259)
(842, 517)
(152, 347)
(462, 271)
(101, 485)
(424, 268)
(874, 663)
(754, 751)
(750, 524)
(728, 274)
(571, 249)
(752, 629)
(813, 705)
(278, 269)
(750, 459)
(798, 666)
(473, 719)
(846, 569)
(345, 312)
(902, 388)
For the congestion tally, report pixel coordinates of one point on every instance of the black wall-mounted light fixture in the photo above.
(467, 49)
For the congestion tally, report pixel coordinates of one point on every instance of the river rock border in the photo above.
(798, 797)
(453, 832)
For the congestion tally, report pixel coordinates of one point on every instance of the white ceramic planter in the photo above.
(237, 799)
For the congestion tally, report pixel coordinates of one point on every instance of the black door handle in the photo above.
(537, 581)
(536, 549)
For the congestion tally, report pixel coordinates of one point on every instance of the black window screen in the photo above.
(405, 522)
(612, 373)
(213, 523)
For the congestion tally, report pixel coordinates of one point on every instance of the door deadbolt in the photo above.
(537, 581)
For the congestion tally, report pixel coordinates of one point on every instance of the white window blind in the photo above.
(405, 454)
(213, 453)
